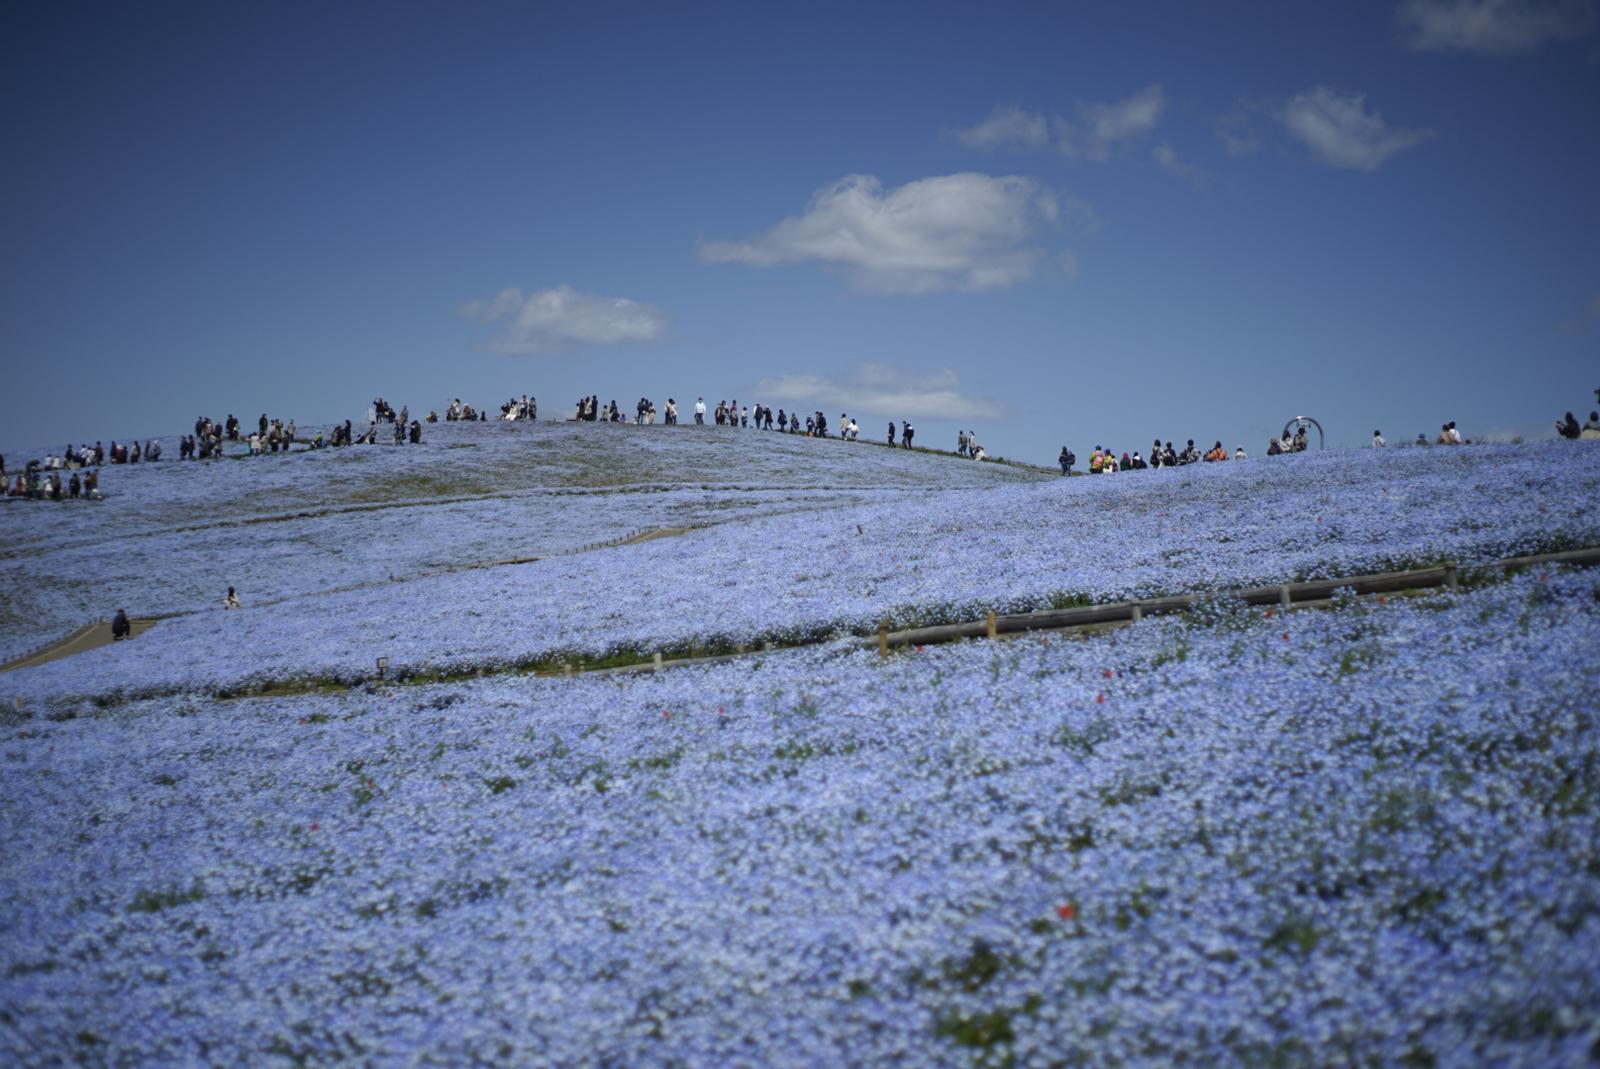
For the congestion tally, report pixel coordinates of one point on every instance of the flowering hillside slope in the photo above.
(1364, 835)
(172, 537)
(789, 575)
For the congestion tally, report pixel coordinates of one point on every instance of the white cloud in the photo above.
(1491, 27)
(549, 320)
(1338, 128)
(1101, 127)
(1236, 130)
(952, 232)
(1167, 157)
(884, 390)
(1007, 127)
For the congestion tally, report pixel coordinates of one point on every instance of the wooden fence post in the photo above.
(656, 660)
(1452, 578)
(883, 638)
(993, 627)
(1138, 612)
(1284, 597)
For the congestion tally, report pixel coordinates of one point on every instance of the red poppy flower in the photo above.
(1067, 911)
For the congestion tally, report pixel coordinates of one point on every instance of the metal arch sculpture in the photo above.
(1322, 439)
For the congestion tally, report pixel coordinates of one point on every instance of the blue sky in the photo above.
(1082, 224)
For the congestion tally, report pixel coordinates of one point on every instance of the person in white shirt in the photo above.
(232, 600)
(700, 411)
(1377, 440)
(1238, 454)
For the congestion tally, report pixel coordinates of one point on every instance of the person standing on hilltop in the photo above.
(906, 431)
(891, 432)
(1377, 440)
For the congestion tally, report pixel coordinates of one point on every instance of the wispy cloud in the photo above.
(1340, 130)
(1236, 130)
(1009, 127)
(1100, 128)
(1491, 27)
(548, 321)
(951, 232)
(885, 390)
(1167, 158)
(1096, 130)
(1587, 319)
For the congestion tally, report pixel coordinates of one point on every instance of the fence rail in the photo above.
(1286, 594)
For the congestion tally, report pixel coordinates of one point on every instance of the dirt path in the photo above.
(88, 637)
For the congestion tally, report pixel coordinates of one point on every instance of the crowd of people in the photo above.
(74, 472)
(525, 409)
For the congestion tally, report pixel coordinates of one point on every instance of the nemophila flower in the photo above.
(1378, 847)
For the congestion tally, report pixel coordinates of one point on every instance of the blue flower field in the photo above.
(1361, 834)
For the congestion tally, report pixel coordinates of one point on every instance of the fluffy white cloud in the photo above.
(1101, 127)
(952, 232)
(548, 321)
(883, 390)
(1491, 27)
(1007, 127)
(1339, 129)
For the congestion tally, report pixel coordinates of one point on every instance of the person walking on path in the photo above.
(906, 431)
(1066, 459)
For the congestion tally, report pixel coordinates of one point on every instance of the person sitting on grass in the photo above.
(1591, 429)
(232, 600)
(1568, 428)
